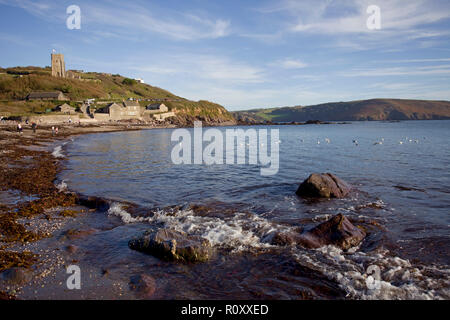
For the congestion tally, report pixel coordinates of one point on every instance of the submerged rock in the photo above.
(337, 231)
(173, 245)
(143, 284)
(93, 203)
(72, 234)
(325, 185)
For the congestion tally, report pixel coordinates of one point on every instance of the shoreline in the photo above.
(42, 219)
(29, 172)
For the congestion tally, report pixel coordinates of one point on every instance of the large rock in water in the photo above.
(173, 245)
(337, 231)
(325, 185)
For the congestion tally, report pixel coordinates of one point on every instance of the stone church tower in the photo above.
(58, 65)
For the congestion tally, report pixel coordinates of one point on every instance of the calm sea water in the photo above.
(402, 198)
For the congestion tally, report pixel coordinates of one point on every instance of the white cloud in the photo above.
(131, 18)
(316, 16)
(399, 71)
(175, 25)
(290, 64)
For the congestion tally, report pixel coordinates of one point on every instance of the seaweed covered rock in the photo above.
(337, 231)
(171, 245)
(325, 185)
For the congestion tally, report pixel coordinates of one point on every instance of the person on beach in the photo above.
(53, 131)
(19, 128)
(33, 126)
(56, 130)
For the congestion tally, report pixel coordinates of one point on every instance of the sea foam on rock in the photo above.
(323, 185)
(172, 245)
(338, 231)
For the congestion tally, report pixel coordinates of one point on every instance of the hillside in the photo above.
(16, 83)
(375, 109)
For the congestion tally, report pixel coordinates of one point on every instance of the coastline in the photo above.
(42, 219)
(29, 171)
(28, 193)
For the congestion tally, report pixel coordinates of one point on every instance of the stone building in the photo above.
(156, 108)
(115, 112)
(58, 65)
(65, 108)
(54, 95)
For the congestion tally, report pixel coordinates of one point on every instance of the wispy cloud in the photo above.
(325, 16)
(345, 21)
(204, 67)
(131, 18)
(399, 71)
(289, 63)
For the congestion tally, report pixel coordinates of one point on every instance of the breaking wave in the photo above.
(62, 186)
(57, 152)
(398, 278)
(241, 232)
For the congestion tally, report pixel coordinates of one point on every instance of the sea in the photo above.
(400, 173)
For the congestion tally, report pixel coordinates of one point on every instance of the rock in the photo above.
(337, 231)
(286, 238)
(325, 185)
(71, 249)
(93, 203)
(16, 276)
(173, 245)
(143, 284)
(72, 234)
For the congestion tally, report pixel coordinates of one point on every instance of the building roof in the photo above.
(131, 104)
(106, 108)
(47, 95)
(154, 106)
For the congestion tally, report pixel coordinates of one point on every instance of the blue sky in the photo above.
(244, 54)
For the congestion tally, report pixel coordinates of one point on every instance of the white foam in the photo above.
(240, 232)
(57, 152)
(398, 278)
(62, 186)
(244, 231)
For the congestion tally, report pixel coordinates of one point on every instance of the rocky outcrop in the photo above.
(172, 245)
(325, 185)
(337, 231)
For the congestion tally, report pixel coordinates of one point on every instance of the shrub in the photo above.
(128, 81)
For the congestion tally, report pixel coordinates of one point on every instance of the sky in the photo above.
(244, 54)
